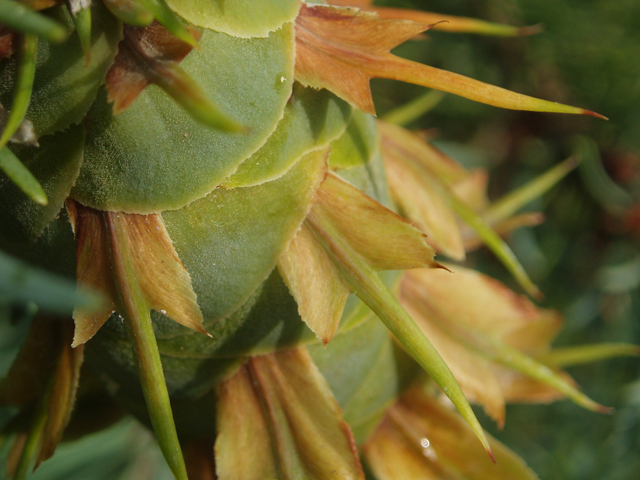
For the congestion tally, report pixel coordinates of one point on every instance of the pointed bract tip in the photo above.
(593, 406)
(532, 290)
(41, 198)
(594, 114)
(490, 453)
(536, 294)
(604, 410)
(440, 266)
(537, 218)
(572, 162)
(437, 23)
(531, 29)
(482, 436)
(199, 329)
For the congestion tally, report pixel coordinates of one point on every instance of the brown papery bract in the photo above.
(423, 200)
(381, 237)
(315, 282)
(280, 408)
(165, 282)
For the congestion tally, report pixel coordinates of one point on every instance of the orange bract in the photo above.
(342, 49)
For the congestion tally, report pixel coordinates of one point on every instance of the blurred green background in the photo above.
(585, 257)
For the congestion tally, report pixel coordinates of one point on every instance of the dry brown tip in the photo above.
(605, 410)
(493, 459)
(594, 114)
(202, 330)
(439, 265)
(573, 161)
(536, 294)
(538, 218)
(531, 30)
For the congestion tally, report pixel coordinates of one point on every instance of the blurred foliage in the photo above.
(586, 256)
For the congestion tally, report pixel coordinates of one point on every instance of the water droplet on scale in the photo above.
(430, 454)
(427, 451)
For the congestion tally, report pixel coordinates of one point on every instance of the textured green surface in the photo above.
(245, 314)
(366, 383)
(56, 169)
(357, 144)
(370, 178)
(64, 87)
(240, 18)
(311, 120)
(193, 362)
(229, 240)
(155, 157)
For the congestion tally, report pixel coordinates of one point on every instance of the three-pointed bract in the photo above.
(165, 282)
(342, 49)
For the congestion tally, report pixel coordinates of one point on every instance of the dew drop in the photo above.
(430, 454)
